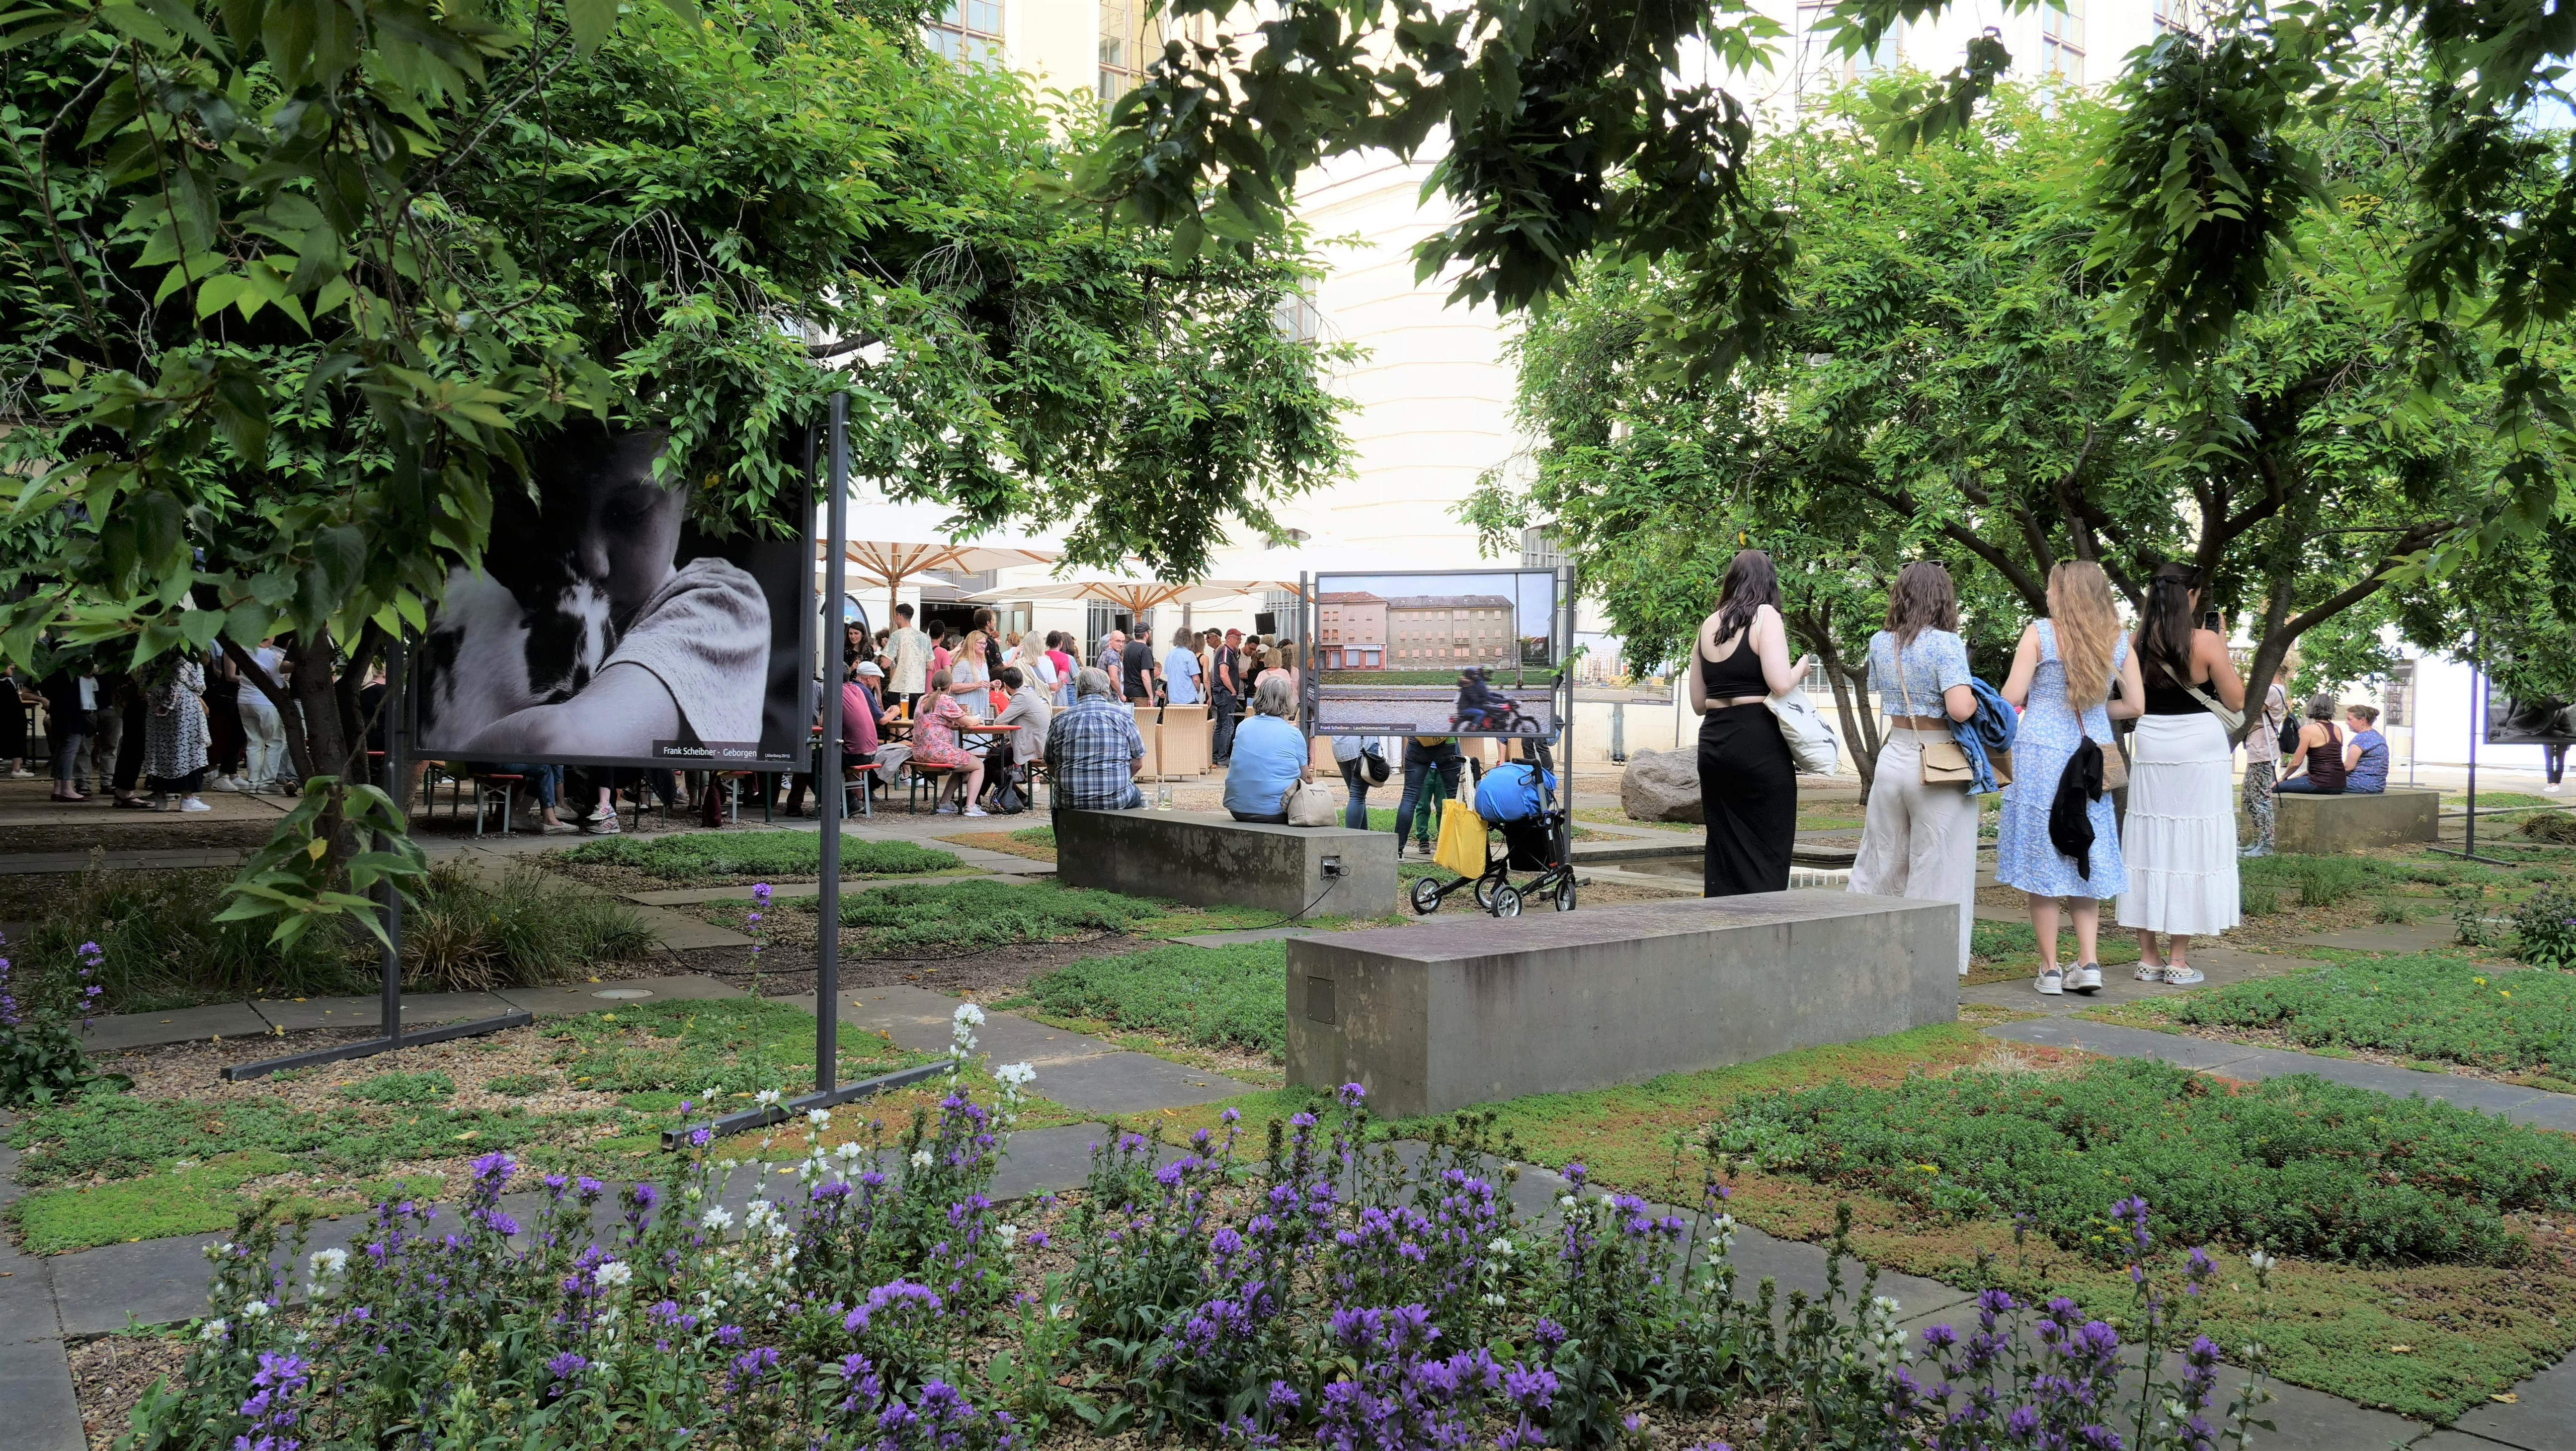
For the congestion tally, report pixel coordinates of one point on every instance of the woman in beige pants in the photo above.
(1920, 840)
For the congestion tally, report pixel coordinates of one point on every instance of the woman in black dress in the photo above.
(1748, 786)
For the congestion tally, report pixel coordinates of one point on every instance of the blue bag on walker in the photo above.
(1513, 791)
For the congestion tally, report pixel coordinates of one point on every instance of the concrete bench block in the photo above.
(1447, 1015)
(1209, 859)
(2327, 825)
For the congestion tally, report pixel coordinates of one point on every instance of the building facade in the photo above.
(1350, 631)
(1450, 632)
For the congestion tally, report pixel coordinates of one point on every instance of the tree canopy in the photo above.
(1954, 381)
(1563, 136)
(290, 282)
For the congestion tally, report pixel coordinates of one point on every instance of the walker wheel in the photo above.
(1565, 895)
(1507, 901)
(1485, 893)
(1426, 896)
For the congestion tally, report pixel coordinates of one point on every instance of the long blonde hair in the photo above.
(2087, 625)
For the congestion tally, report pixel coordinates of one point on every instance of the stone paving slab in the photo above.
(591, 997)
(179, 1025)
(1128, 1082)
(2387, 937)
(681, 932)
(2221, 965)
(2541, 1416)
(2238, 1060)
(299, 1015)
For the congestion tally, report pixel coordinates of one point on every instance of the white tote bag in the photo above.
(1308, 804)
(1812, 745)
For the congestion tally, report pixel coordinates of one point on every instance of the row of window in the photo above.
(971, 30)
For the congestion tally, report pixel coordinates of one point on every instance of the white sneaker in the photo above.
(2184, 976)
(604, 824)
(2551, 788)
(557, 828)
(2150, 974)
(193, 804)
(30, 776)
(977, 811)
(2051, 983)
(944, 808)
(2088, 978)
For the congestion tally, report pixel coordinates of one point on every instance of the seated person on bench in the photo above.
(1269, 755)
(1093, 751)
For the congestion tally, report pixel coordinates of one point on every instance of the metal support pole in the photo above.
(827, 942)
(397, 704)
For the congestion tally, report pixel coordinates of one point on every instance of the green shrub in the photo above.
(400, 1087)
(2557, 826)
(2396, 910)
(2298, 1164)
(469, 933)
(2478, 927)
(1210, 995)
(40, 1063)
(2255, 897)
(757, 854)
(160, 946)
(2544, 928)
(2322, 881)
(958, 918)
(2420, 1006)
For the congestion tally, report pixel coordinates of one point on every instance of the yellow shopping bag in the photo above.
(1462, 839)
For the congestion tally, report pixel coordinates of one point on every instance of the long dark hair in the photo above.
(1921, 599)
(2164, 629)
(1751, 583)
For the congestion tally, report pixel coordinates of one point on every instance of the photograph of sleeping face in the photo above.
(604, 629)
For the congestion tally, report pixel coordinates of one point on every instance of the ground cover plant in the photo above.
(2466, 1332)
(966, 918)
(181, 1158)
(717, 858)
(1310, 1291)
(2423, 1006)
(158, 944)
(2296, 1165)
(1232, 996)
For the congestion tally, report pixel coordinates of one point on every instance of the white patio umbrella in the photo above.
(1133, 594)
(890, 543)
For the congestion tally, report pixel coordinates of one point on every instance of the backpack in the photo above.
(1513, 791)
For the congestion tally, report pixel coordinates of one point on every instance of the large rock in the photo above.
(1662, 786)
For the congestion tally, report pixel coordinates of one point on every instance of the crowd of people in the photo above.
(2169, 862)
(154, 739)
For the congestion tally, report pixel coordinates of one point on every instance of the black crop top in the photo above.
(1739, 674)
(2168, 698)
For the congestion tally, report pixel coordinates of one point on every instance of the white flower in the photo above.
(254, 1310)
(612, 1274)
(969, 1015)
(820, 1118)
(921, 1158)
(849, 1153)
(718, 1219)
(1500, 1246)
(766, 1098)
(1565, 1201)
(328, 1261)
(1014, 1076)
(757, 1213)
(1495, 1300)
(1008, 1234)
(215, 1330)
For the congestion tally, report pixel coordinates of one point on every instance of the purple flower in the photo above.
(566, 1365)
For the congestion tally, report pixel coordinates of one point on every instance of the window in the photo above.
(1298, 319)
(2061, 40)
(967, 30)
(1126, 47)
(1538, 549)
(2173, 15)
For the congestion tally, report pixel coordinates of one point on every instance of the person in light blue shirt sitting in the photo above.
(1269, 755)
(1181, 672)
(2365, 755)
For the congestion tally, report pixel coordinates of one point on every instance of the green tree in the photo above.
(290, 280)
(1954, 382)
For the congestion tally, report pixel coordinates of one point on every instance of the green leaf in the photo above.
(591, 22)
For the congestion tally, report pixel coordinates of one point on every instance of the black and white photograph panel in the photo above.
(605, 628)
(2512, 722)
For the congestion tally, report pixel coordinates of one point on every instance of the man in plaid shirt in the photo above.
(1093, 751)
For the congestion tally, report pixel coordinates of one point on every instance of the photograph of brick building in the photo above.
(1350, 631)
(1449, 632)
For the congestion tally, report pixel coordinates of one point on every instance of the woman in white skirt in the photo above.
(2180, 835)
(1920, 838)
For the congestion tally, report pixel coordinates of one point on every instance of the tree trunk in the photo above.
(317, 707)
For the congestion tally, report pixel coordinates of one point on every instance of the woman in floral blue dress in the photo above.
(2062, 673)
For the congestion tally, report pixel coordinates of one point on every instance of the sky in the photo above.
(1533, 591)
